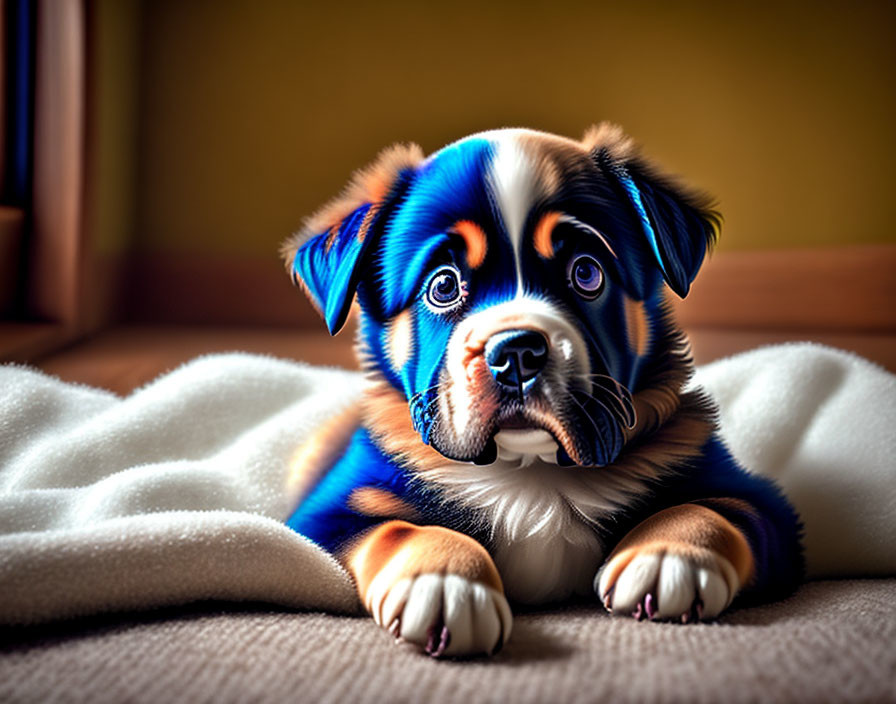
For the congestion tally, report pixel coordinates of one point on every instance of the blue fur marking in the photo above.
(678, 233)
(447, 188)
(330, 274)
(629, 185)
(324, 516)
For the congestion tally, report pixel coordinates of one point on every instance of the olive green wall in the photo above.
(254, 113)
(113, 34)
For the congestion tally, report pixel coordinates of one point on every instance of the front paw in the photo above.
(664, 584)
(443, 614)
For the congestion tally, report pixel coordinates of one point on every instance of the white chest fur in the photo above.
(540, 516)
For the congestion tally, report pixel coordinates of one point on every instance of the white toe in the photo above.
(394, 603)
(676, 582)
(713, 591)
(504, 614)
(477, 618)
(422, 609)
(376, 592)
(676, 588)
(636, 580)
(486, 619)
(730, 575)
(602, 581)
(458, 614)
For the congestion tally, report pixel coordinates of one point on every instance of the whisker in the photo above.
(422, 392)
(612, 437)
(586, 413)
(620, 408)
(435, 399)
(598, 434)
(620, 393)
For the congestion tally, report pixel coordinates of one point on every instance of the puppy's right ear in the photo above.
(327, 256)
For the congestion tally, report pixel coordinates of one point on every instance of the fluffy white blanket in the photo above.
(176, 492)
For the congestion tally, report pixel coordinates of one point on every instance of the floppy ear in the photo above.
(679, 225)
(328, 255)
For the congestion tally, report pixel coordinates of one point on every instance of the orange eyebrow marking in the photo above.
(544, 245)
(475, 239)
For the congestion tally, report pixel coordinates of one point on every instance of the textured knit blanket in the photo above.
(176, 493)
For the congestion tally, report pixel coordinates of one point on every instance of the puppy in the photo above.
(525, 435)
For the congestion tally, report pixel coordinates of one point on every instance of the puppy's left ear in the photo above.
(329, 254)
(679, 225)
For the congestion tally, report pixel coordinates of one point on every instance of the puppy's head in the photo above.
(510, 284)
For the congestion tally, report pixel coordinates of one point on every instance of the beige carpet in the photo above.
(831, 642)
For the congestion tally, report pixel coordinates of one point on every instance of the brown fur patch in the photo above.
(662, 382)
(406, 550)
(368, 185)
(318, 453)
(554, 158)
(676, 441)
(372, 501)
(367, 222)
(387, 416)
(401, 339)
(542, 239)
(636, 325)
(475, 240)
(692, 531)
(332, 234)
(609, 137)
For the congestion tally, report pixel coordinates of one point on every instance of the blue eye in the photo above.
(444, 288)
(586, 277)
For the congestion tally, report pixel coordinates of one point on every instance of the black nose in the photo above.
(516, 356)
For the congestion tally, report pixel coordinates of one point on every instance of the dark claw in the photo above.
(444, 638)
(695, 613)
(649, 606)
(608, 598)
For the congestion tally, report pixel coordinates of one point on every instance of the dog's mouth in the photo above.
(516, 439)
(522, 444)
(578, 427)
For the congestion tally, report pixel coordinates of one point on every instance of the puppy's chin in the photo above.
(586, 435)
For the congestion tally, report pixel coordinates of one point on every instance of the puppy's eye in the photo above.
(445, 288)
(585, 276)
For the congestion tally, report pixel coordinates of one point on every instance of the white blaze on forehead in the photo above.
(513, 182)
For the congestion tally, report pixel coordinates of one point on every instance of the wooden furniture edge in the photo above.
(845, 289)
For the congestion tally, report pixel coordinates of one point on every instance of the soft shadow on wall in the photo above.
(246, 116)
